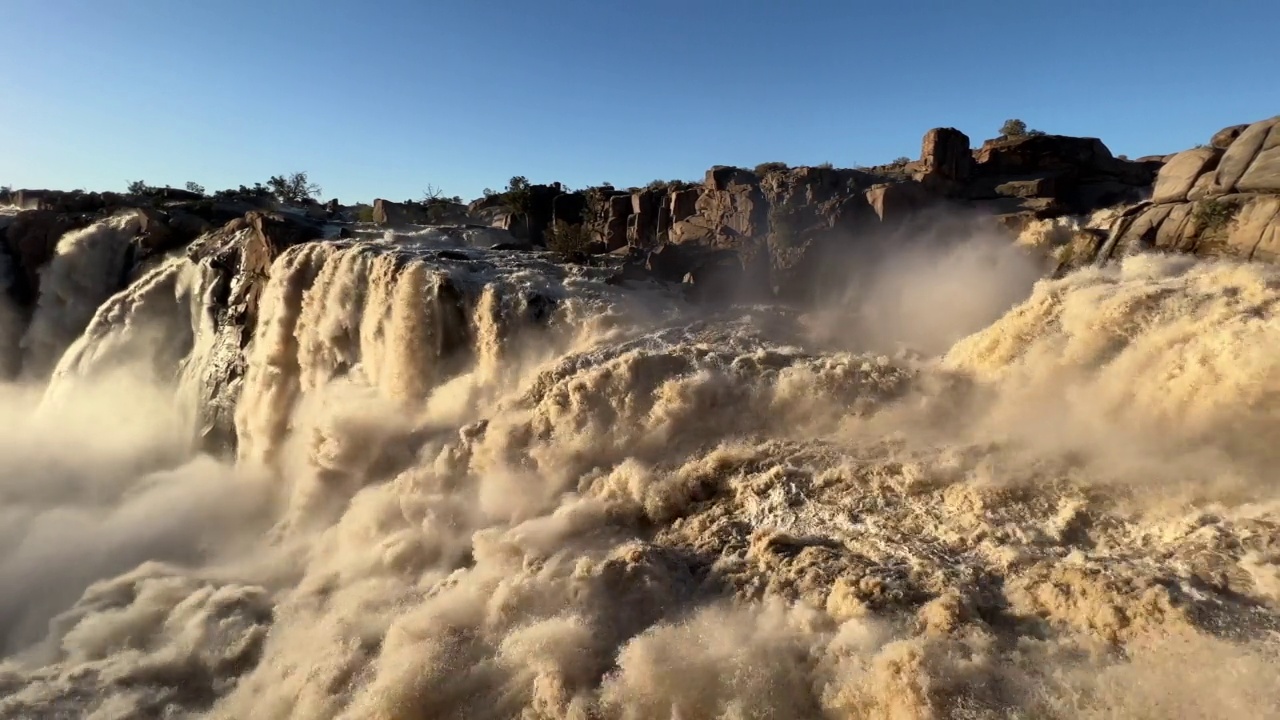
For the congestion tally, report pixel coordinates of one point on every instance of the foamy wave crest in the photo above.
(477, 484)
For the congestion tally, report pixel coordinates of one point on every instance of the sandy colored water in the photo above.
(498, 488)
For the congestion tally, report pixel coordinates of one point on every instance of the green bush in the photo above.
(670, 186)
(518, 197)
(1013, 128)
(294, 189)
(568, 239)
(257, 191)
(1212, 217)
(771, 167)
(1016, 128)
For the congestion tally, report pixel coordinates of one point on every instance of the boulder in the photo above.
(1027, 154)
(896, 202)
(946, 161)
(617, 212)
(1263, 173)
(642, 225)
(1239, 157)
(1256, 228)
(1224, 137)
(1241, 225)
(684, 203)
(733, 199)
(1179, 175)
(386, 212)
(394, 214)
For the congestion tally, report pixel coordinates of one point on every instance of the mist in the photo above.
(496, 486)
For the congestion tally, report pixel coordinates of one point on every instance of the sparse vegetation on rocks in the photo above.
(1014, 127)
(257, 192)
(294, 189)
(569, 239)
(518, 196)
(670, 185)
(1212, 218)
(767, 168)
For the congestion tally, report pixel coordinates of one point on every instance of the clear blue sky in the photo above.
(380, 98)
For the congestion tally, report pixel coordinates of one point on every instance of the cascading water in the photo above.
(474, 484)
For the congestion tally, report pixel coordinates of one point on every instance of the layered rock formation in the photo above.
(786, 223)
(772, 230)
(1217, 199)
(433, 212)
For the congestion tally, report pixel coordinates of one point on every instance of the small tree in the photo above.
(1013, 128)
(195, 187)
(518, 196)
(767, 168)
(138, 187)
(1017, 128)
(568, 239)
(294, 189)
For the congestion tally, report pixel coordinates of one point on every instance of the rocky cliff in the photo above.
(778, 231)
(1217, 199)
(784, 224)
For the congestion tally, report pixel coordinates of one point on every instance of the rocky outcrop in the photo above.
(386, 212)
(432, 212)
(794, 221)
(1219, 199)
(530, 217)
(74, 201)
(236, 262)
(1053, 175)
(30, 239)
(946, 162)
(787, 228)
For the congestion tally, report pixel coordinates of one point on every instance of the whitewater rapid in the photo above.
(481, 484)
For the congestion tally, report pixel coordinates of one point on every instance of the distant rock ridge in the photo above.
(773, 229)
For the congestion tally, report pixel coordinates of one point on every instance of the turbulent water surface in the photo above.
(476, 484)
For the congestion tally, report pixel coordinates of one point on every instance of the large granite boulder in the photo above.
(1220, 199)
